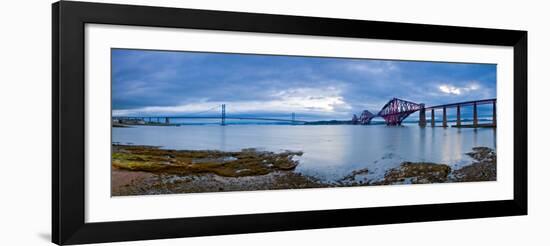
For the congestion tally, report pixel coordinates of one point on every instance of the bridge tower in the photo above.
(293, 118)
(365, 117)
(396, 110)
(223, 114)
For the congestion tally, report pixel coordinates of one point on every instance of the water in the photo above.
(330, 151)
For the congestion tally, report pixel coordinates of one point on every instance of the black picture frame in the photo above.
(68, 107)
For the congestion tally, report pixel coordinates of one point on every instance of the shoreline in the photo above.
(142, 170)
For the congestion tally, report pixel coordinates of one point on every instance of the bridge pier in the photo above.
(444, 116)
(433, 118)
(223, 114)
(475, 115)
(495, 113)
(422, 120)
(457, 115)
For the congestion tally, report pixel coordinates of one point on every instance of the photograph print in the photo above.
(192, 122)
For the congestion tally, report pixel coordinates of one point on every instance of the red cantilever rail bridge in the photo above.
(396, 110)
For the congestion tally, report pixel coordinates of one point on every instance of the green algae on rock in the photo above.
(248, 162)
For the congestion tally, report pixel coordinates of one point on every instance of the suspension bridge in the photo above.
(197, 115)
(394, 112)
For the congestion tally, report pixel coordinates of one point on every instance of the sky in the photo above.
(169, 83)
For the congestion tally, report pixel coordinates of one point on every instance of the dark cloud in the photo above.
(185, 81)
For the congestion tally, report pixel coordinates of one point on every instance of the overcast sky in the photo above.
(149, 83)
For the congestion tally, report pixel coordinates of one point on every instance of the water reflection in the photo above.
(330, 152)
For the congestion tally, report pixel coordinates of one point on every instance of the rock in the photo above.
(351, 177)
(482, 154)
(416, 173)
(484, 169)
(248, 162)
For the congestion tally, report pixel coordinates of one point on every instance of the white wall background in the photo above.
(25, 98)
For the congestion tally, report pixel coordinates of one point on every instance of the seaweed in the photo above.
(248, 162)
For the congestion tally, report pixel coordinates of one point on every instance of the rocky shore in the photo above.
(139, 170)
(149, 170)
(483, 169)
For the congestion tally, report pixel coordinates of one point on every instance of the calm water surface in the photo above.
(330, 151)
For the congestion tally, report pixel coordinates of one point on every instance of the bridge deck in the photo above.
(450, 105)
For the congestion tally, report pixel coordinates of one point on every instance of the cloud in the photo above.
(321, 101)
(451, 89)
(370, 66)
(154, 83)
